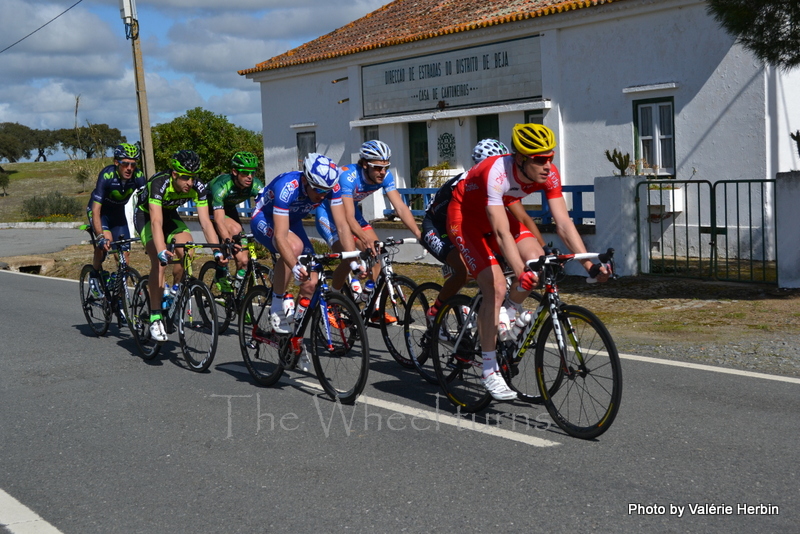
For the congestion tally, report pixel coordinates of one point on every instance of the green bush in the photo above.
(5, 180)
(52, 205)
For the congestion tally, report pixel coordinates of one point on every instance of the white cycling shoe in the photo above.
(279, 322)
(498, 388)
(157, 331)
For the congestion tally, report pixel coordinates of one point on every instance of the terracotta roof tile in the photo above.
(403, 21)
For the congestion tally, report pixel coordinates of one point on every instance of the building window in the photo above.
(370, 133)
(534, 117)
(306, 144)
(487, 127)
(654, 136)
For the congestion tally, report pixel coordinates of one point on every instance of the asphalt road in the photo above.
(94, 439)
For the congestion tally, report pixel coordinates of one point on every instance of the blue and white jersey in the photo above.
(285, 196)
(354, 184)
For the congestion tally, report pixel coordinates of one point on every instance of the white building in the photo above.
(658, 79)
(432, 77)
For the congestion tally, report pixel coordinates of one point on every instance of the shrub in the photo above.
(5, 180)
(53, 204)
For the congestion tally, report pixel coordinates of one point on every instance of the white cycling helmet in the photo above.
(486, 148)
(320, 171)
(375, 150)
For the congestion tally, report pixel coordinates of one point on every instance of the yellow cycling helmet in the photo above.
(533, 139)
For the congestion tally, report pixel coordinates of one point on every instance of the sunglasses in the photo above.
(541, 160)
(379, 166)
(127, 164)
(319, 191)
(186, 177)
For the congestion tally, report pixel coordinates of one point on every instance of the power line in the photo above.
(42, 26)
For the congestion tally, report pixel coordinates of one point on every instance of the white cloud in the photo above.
(192, 50)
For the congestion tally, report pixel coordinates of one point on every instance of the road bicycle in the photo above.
(337, 335)
(192, 313)
(575, 373)
(230, 302)
(115, 289)
(416, 323)
(389, 298)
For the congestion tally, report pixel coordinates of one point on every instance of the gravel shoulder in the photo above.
(754, 327)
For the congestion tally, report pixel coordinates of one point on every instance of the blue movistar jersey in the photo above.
(285, 196)
(111, 191)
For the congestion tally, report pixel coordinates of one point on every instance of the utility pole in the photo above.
(127, 10)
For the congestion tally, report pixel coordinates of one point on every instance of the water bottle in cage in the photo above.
(369, 287)
(288, 305)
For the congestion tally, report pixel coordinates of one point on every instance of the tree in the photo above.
(92, 140)
(212, 136)
(15, 141)
(768, 28)
(44, 142)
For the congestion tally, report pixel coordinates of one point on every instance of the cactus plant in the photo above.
(620, 161)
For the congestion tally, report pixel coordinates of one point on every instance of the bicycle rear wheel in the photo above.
(139, 320)
(261, 347)
(96, 310)
(416, 331)
(459, 369)
(197, 325)
(581, 384)
(342, 364)
(393, 333)
(223, 300)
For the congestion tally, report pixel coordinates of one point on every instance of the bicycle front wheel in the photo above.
(580, 379)
(197, 325)
(341, 360)
(392, 332)
(459, 368)
(139, 320)
(224, 301)
(416, 331)
(126, 289)
(261, 347)
(96, 309)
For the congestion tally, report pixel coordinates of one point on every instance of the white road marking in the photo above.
(440, 418)
(19, 519)
(711, 368)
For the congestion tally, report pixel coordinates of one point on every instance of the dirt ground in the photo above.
(750, 326)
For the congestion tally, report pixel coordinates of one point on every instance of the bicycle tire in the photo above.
(459, 370)
(96, 310)
(197, 325)
(393, 333)
(416, 331)
(224, 301)
(131, 277)
(139, 320)
(582, 398)
(342, 367)
(261, 348)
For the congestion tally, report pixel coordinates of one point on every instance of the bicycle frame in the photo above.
(386, 251)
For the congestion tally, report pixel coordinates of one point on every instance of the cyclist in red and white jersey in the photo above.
(482, 228)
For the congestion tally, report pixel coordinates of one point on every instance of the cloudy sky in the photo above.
(192, 51)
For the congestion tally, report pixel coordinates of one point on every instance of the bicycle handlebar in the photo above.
(552, 256)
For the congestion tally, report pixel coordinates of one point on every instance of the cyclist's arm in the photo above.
(345, 235)
(403, 212)
(508, 246)
(566, 230)
(219, 224)
(206, 224)
(352, 222)
(518, 211)
(281, 240)
(157, 227)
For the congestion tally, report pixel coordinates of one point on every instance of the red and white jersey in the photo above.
(494, 182)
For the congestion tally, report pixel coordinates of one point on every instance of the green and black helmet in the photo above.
(244, 161)
(126, 151)
(185, 162)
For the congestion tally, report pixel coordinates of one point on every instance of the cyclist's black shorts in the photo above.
(435, 240)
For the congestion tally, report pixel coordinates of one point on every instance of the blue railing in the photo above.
(412, 196)
(426, 194)
(189, 209)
